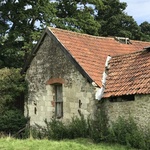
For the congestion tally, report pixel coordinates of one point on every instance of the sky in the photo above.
(138, 9)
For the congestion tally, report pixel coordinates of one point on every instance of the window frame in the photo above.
(58, 100)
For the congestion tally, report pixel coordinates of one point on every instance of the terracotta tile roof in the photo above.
(129, 74)
(91, 51)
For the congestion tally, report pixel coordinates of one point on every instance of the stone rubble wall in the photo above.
(50, 62)
(139, 109)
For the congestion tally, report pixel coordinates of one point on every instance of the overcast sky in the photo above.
(139, 9)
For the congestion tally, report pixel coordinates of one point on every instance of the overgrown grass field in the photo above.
(77, 144)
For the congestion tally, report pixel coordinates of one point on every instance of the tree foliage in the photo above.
(21, 23)
(145, 28)
(18, 28)
(114, 22)
(11, 121)
(77, 15)
(12, 86)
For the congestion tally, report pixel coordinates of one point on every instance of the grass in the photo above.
(77, 144)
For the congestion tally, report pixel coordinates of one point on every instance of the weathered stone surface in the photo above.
(139, 109)
(50, 62)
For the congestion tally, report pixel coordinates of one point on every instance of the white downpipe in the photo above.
(100, 91)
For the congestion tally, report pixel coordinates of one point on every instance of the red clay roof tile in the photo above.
(129, 74)
(91, 51)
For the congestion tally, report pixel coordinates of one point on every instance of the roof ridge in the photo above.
(81, 34)
(92, 36)
(139, 41)
(136, 52)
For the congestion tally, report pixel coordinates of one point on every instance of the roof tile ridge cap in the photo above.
(81, 34)
(139, 41)
(129, 54)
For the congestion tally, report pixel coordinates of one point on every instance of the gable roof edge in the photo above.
(71, 58)
(48, 32)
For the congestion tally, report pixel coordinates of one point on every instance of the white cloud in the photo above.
(139, 9)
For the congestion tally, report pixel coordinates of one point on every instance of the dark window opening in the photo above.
(58, 101)
(80, 103)
(122, 98)
(35, 110)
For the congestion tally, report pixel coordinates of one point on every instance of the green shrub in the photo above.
(12, 89)
(147, 138)
(36, 132)
(126, 132)
(56, 130)
(98, 127)
(78, 128)
(123, 131)
(11, 121)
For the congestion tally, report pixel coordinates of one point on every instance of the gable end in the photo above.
(65, 51)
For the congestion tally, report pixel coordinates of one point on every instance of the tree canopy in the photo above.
(114, 22)
(21, 23)
(97, 17)
(77, 15)
(18, 28)
(145, 28)
(11, 86)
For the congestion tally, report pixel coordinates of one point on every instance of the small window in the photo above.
(122, 98)
(58, 101)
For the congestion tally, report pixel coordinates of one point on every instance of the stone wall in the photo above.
(139, 109)
(51, 63)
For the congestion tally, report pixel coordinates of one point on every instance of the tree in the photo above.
(77, 15)
(12, 86)
(145, 29)
(19, 30)
(114, 22)
(18, 21)
(11, 121)
(96, 17)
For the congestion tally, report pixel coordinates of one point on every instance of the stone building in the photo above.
(127, 91)
(65, 73)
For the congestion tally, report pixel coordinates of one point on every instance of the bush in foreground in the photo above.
(123, 131)
(126, 132)
(11, 121)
